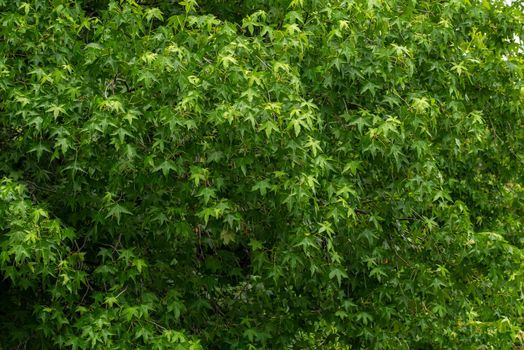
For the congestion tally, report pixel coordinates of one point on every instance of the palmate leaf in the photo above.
(262, 186)
(40, 149)
(338, 274)
(153, 13)
(116, 211)
(206, 193)
(166, 167)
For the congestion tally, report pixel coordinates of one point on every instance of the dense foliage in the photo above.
(305, 174)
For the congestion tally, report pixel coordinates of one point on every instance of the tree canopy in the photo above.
(287, 174)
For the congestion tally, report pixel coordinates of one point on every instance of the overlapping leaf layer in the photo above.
(261, 174)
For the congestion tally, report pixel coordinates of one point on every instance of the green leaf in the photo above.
(153, 13)
(338, 274)
(227, 236)
(40, 149)
(262, 186)
(116, 211)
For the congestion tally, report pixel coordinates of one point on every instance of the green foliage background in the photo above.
(261, 174)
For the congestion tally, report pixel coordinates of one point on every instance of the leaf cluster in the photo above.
(261, 174)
